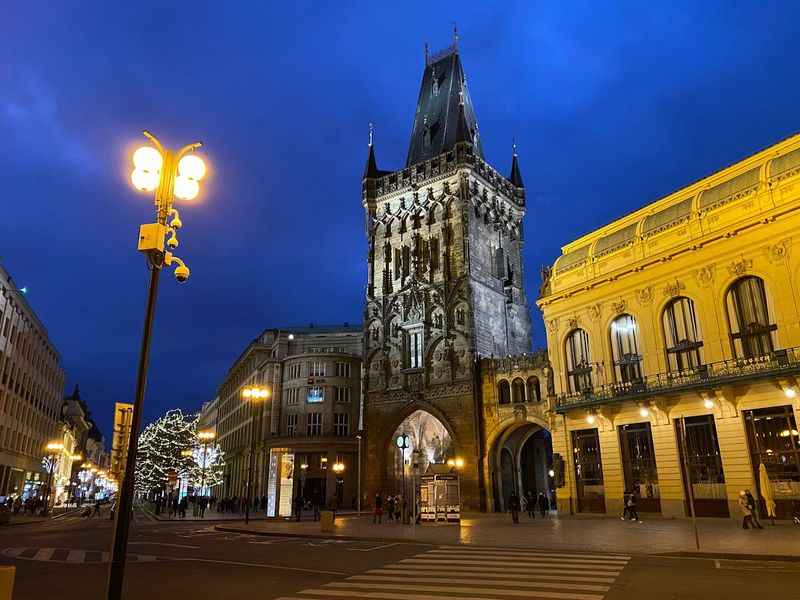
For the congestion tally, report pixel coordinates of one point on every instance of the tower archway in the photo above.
(520, 460)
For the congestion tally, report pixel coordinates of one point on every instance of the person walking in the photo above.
(390, 509)
(315, 500)
(377, 516)
(298, 507)
(624, 505)
(544, 505)
(96, 508)
(751, 501)
(530, 504)
(633, 513)
(513, 506)
(398, 509)
(747, 513)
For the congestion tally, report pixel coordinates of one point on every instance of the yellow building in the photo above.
(673, 335)
(123, 415)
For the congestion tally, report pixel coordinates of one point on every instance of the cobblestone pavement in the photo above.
(587, 534)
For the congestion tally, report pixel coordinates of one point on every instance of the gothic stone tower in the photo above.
(445, 279)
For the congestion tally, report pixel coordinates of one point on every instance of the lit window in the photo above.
(625, 349)
(752, 331)
(414, 348)
(579, 365)
(682, 335)
(315, 394)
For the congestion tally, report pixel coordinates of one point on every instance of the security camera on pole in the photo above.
(170, 175)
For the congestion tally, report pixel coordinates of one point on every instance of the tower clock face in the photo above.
(402, 441)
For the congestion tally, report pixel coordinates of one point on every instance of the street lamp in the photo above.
(338, 469)
(206, 437)
(168, 175)
(358, 483)
(53, 450)
(253, 394)
(403, 442)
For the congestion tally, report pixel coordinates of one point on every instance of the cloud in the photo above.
(32, 128)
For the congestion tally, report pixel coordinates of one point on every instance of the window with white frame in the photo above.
(414, 347)
(342, 369)
(343, 394)
(314, 424)
(295, 371)
(316, 369)
(291, 425)
(315, 394)
(341, 424)
(292, 396)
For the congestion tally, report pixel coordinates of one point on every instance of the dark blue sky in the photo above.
(612, 106)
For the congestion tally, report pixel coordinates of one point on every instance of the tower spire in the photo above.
(455, 35)
(516, 175)
(371, 168)
(427, 54)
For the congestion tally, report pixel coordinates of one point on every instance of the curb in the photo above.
(322, 536)
(729, 556)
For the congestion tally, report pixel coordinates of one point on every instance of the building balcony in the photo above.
(779, 363)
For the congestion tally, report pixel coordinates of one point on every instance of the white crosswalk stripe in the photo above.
(480, 573)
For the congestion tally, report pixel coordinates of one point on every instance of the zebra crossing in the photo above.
(68, 555)
(480, 573)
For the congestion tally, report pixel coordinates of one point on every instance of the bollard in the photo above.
(6, 582)
(326, 521)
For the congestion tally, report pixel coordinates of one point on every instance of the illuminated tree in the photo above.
(161, 445)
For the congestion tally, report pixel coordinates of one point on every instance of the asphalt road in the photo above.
(63, 559)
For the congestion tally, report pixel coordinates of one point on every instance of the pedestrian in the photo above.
(202, 503)
(298, 507)
(513, 506)
(633, 513)
(390, 509)
(173, 507)
(544, 504)
(624, 505)
(184, 504)
(530, 504)
(398, 509)
(377, 516)
(751, 501)
(96, 508)
(111, 511)
(747, 513)
(334, 506)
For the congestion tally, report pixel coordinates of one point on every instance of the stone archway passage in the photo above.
(521, 460)
(428, 437)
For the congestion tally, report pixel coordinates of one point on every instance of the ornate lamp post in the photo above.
(53, 450)
(169, 175)
(253, 394)
(403, 442)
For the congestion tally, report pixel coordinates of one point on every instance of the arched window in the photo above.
(625, 349)
(518, 390)
(682, 335)
(752, 331)
(578, 360)
(504, 392)
(534, 391)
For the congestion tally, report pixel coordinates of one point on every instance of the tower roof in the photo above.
(516, 174)
(371, 168)
(438, 122)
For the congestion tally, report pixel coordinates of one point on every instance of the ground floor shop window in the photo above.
(588, 471)
(702, 466)
(774, 441)
(639, 465)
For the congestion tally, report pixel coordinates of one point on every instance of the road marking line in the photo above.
(465, 590)
(261, 565)
(75, 556)
(520, 557)
(164, 544)
(553, 569)
(556, 566)
(546, 575)
(373, 548)
(44, 554)
(524, 584)
(480, 549)
(391, 596)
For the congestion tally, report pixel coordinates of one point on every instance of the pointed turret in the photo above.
(371, 168)
(516, 175)
(445, 115)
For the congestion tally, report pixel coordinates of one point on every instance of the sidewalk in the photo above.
(586, 534)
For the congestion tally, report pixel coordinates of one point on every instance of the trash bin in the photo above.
(326, 521)
(6, 582)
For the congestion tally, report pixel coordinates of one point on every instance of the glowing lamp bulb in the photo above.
(147, 158)
(145, 181)
(708, 403)
(247, 392)
(186, 188)
(551, 473)
(789, 392)
(590, 419)
(644, 411)
(192, 166)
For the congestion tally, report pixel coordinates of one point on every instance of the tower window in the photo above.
(414, 349)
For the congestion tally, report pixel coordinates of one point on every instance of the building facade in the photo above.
(120, 438)
(31, 390)
(445, 296)
(673, 336)
(309, 424)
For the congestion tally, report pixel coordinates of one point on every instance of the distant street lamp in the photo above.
(169, 175)
(53, 450)
(253, 394)
(205, 437)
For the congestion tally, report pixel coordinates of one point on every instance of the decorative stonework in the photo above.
(705, 275)
(619, 307)
(595, 312)
(673, 289)
(552, 326)
(645, 296)
(740, 267)
(779, 252)
(574, 322)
